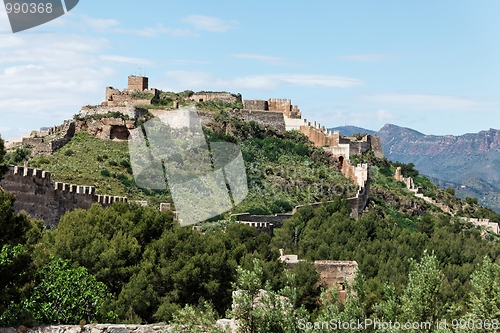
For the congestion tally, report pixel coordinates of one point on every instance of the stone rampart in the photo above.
(263, 223)
(131, 111)
(255, 104)
(284, 106)
(485, 223)
(267, 119)
(361, 176)
(276, 219)
(63, 134)
(213, 96)
(43, 199)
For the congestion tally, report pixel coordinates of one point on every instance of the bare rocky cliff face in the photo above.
(400, 140)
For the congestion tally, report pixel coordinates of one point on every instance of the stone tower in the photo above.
(137, 83)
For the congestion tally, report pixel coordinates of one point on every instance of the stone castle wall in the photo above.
(115, 97)
(255, 104)
(138, 83)
(337, 273)
(284, 106)
(266, 119)
(131, 111)
(263, 223)
(64, 134)
(223, 97)
(43, 199)
(333, 273)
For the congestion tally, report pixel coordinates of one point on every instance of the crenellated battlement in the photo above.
(47, 200)
(109, 199)
(30, 172)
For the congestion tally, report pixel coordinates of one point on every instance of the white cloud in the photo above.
(364, 118)
(47, 78)
(52, 49)
(370, 57)
(208, 23)
(11, 41)
(100, 24)
(127, 60)
(188, 61)
(159, 29)
(264, 82)
(269, 60)
(429, 102)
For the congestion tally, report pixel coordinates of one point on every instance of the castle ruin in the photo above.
(333, 273)
(137, 93)
(276, 114)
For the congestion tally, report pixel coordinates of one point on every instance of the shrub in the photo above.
(105, 173)
(69, 152)
(471, 201)
(125, 163)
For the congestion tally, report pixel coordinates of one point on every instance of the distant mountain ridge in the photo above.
(470, 163)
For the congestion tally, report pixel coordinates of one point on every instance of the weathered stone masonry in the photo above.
(47, 200)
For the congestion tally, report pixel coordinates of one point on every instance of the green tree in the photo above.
(63, 295)
(17, 239)
(197, 320)
(419, 302)
(484, 300)
(3, 167)
(263, 310)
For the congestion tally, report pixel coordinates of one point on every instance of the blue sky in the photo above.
(431, 66)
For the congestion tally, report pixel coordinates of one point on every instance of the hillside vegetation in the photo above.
(416, 263)
(285, 169)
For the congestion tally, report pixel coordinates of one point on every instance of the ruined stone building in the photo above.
(333, 273)
(137, 93)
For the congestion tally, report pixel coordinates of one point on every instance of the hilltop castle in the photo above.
(44, 199)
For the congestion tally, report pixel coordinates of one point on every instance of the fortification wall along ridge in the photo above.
(214, 96)
(266, 119)
(277, 114)
(44, 199)
(263, 223)
(131, 111)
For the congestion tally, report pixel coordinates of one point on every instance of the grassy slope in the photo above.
(282, 172)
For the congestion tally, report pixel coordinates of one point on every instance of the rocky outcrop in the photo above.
(403, 204)
(107, 128)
